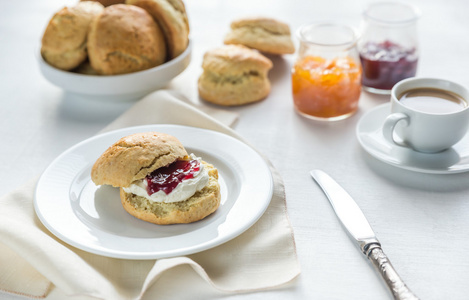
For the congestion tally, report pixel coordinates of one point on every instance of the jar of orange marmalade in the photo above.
(326, 77)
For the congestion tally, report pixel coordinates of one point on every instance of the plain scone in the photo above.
(234, 75)
(64, 43)
(135, 156)
(124, 39)
(264, 34)
(172, 17)
(108, 2)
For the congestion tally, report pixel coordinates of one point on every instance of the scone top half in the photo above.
(269, 24)
(235, 60)
(264, 34)
(135, 156)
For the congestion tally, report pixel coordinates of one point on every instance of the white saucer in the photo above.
(453, 160)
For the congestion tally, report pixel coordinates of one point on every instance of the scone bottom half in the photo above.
(134, 157)
(200, 205)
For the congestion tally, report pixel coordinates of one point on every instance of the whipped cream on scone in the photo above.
(159, 182)
(183, 190)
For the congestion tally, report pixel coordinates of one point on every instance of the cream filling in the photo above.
(183, 191)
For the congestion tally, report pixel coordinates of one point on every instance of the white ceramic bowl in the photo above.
(131, 86)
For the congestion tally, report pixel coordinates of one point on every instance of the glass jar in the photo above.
(326, 77)
(388, 45)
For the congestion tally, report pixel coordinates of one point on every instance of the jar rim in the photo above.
(347, 37)
(392, 13)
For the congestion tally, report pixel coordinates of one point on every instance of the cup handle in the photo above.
(389, 125)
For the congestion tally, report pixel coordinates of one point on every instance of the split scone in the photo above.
(234, 75)
(264, 34)
(64, 43)
(159, 182)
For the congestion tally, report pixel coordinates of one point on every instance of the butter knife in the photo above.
(360, 230)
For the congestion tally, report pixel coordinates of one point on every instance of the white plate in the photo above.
(453, 160)
(92, 218)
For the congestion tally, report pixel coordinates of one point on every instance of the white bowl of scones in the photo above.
(118, 52)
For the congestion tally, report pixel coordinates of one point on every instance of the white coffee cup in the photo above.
(423, 123)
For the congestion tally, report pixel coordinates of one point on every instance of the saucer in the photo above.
(370, 136)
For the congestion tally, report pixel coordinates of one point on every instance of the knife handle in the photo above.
(381, 262)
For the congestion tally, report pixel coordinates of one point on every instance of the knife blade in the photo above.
(356, 224)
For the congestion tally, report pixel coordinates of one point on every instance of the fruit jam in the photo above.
(386, 63)
(326, 88)
(167, 178)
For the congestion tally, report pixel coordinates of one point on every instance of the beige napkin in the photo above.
(33, 261)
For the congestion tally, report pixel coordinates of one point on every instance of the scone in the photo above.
(159, 182)
(65, 39)
(264, 34)
(85, 68)
(108, 2)
(172, 17)
(234, 75)
(124, 39)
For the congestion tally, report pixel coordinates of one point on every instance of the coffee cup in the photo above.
(427, 114)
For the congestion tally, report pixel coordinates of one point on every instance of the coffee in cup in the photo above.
(427, 114)
(432, 100)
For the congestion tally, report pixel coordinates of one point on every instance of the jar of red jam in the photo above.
(388, 45)
(326, 77)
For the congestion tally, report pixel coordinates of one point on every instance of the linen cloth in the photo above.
(33, 261)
